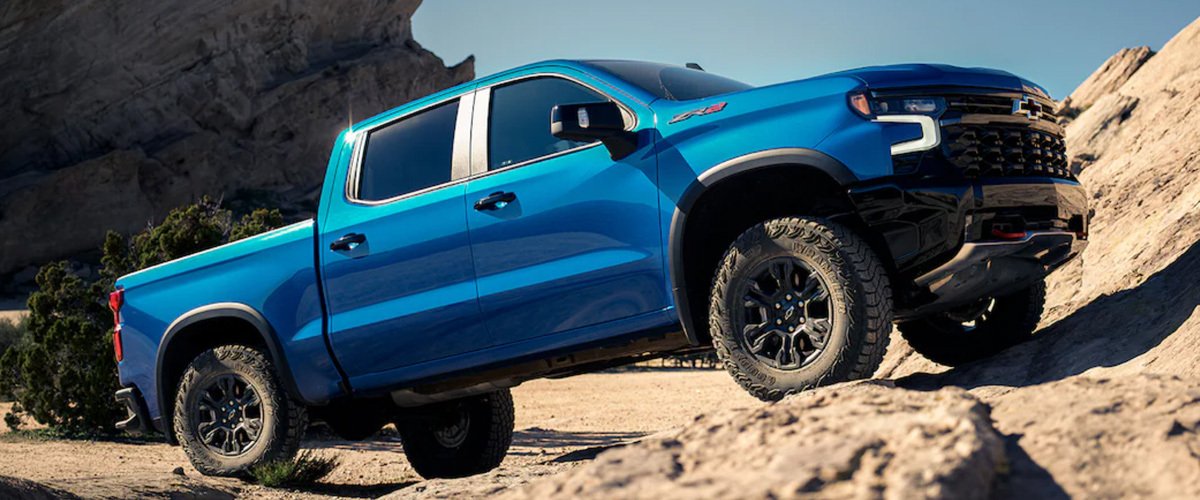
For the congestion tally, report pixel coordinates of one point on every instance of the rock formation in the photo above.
(851, 441)
(1108, 78)
(116, 111)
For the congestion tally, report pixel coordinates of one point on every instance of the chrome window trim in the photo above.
(470, 143)
(479, 129)
(460, 156)
(459, 161)
(481, 148)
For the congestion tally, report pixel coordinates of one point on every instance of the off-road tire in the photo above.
(284, 421)
(489, 433)
(860, 304)
(1012, 320)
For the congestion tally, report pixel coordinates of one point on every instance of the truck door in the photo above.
(396, 261)
(563, 237)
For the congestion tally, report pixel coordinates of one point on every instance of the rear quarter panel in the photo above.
(272, 273)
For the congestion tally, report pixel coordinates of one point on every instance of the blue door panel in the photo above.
(579, 246)
(407, 294)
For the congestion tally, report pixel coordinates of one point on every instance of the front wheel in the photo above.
(799, 302)
(458, 438)
(979, 329)
(232, 413)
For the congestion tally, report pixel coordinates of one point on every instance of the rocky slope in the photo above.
(851, 441)
(1108, 78)
(116, 111)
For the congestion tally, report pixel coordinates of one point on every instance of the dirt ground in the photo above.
(560, 423)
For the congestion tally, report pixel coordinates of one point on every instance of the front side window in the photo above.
(409, 155)
(519, 127)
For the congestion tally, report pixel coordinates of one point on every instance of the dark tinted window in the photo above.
(674, 83)
(520, 119)
(409, 155)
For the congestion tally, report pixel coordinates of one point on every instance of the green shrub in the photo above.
(65, 375)
(13, 333)
(304, 470)
(260, 220)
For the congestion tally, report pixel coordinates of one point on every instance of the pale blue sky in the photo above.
(1054, 43)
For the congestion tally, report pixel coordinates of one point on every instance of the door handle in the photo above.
(495, 201)
(348, 242)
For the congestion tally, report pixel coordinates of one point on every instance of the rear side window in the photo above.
(519, 129)
(409, 155)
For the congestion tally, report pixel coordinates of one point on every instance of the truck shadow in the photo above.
(539, 441)
(1109, 331)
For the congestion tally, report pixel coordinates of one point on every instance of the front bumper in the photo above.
(137, 421)
(994, 268)
(952, 240)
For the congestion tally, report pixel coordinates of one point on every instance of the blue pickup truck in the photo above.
(569, 216)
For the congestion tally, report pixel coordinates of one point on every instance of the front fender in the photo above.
(725, 170)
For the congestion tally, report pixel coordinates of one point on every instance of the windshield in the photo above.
(674, 83)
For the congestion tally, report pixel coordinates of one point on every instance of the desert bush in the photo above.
(65, 375)
(13, 333)
(303, 470)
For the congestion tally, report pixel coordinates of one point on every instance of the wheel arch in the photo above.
(185, 338)
(820, 177)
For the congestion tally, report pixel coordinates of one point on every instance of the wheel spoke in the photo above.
(210, 436)
(751, 332)
(820, 325)
(755, 297)
(794, 350)
(230, 445)
(785, 350)
(781, 271)
(226, 385)
(249, 398)
(819, 295)
(253, 428)
(757, 345)
(811, 284)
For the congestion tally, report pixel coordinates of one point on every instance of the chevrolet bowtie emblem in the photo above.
(1028, 107)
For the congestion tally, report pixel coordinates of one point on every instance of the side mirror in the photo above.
(594, 121)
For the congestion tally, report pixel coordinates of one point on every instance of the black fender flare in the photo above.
(215, 311)
(713, 176)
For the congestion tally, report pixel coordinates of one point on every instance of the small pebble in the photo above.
(178, 470)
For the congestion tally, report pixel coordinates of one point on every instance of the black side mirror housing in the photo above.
(592, 121)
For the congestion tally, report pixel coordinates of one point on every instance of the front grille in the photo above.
(1004, 150)
(997, 104)
(989, 133)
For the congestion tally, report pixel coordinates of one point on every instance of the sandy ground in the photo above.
(559, 424)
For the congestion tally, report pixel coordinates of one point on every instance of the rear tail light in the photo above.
(115, 301)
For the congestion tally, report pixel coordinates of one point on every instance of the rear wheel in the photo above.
(979, 329)
(231, 412)
(796, 303)
(458, 438)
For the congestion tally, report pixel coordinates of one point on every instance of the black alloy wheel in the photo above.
(785, 320)
(229, 416)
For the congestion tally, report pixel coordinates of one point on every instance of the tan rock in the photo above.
(858, 440)
(173, 100)
(1109, 77)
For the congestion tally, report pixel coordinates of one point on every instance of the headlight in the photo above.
(870, 107)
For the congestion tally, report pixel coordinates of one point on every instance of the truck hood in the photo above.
(937, 75)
